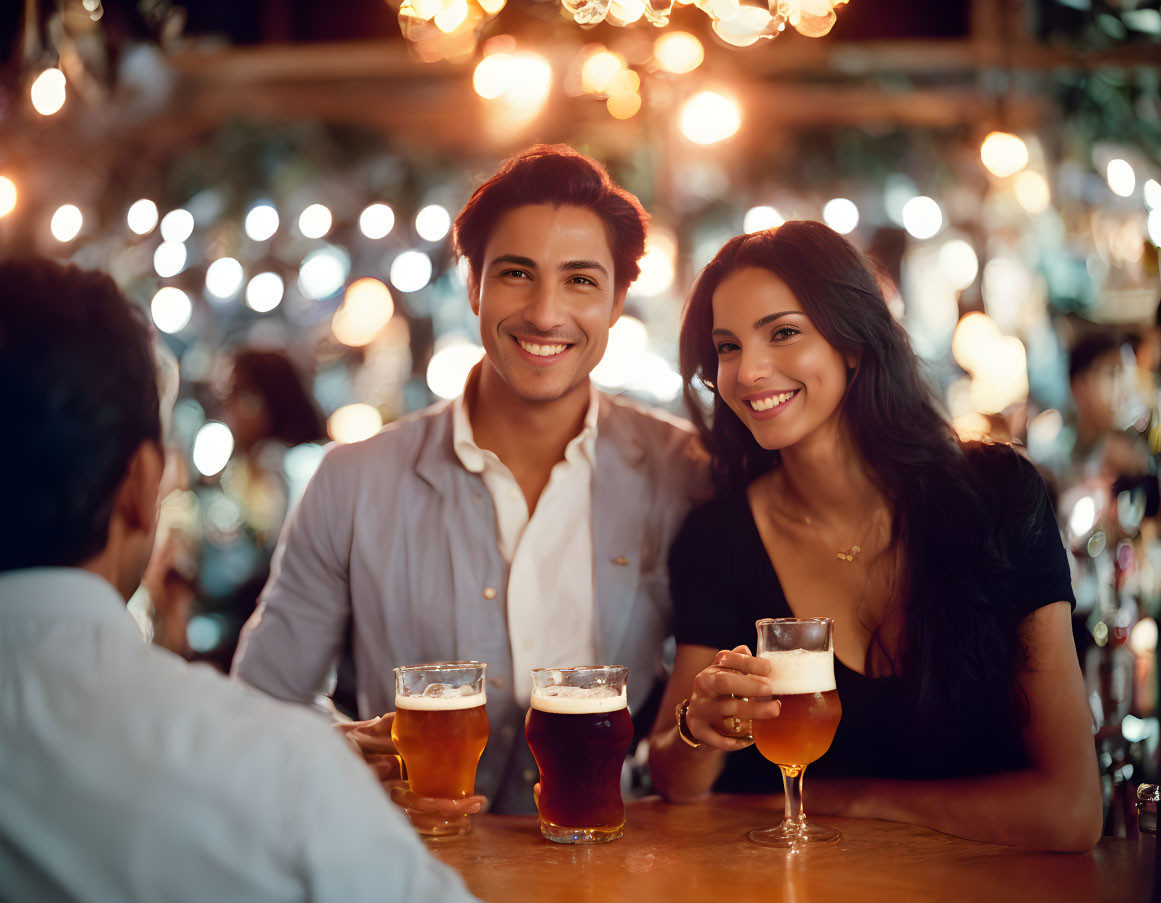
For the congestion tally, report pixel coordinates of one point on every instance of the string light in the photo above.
(7, 196)
(66, 222)
(48, 92)
(709, 118)
(1003, 153)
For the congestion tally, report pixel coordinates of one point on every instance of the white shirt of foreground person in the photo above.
(551, 612)
(127, 775)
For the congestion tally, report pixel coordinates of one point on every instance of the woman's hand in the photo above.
(727, 696)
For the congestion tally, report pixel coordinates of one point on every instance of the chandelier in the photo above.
(450, 29)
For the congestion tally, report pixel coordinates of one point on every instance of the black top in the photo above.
(722, 581)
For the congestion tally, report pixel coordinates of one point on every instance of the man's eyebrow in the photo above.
(515, 259)
(570, 265)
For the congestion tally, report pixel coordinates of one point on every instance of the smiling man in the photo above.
(524, 524)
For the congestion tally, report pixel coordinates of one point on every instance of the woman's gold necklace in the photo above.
(848, 554)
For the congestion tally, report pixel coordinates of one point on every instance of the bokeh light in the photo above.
(264, 292)
(1003, 153)
(224, 278)
(262, 222)
(678, 52)
(975, 339)
(1032, 191)
(142, 216)
(448, 369)
(922, 217)
(315, 221)
(66, 222)
(624, 106)
(377, 221)
(410, 271)
(709, 117)
(177, 225)
(354, 423)
(212, 448)
(841, 215)
(323, 272)
(1153, 194)
(7, 195)
(958, 262)
(48, 92)
(1153, 223)
(169, 259)
(599, 70)
(433, 222)
(760, 218)
(366, 309)
(628, 342)
(658, 265)
(171, 309)
(1121, 177)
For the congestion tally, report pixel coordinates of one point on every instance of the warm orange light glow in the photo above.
(1003, 153)
(599, 71)
(366, 309)
(48, 92)
(678, 52)
(624, 106)
(709, 117)
(7, 195)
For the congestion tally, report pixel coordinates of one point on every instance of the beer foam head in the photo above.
(800, 671)
(441, 698)
(578, 700)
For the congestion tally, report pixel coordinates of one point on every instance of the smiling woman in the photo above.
(844, 495)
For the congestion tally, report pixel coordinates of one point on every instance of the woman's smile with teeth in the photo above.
(541, 350)
(765, 404)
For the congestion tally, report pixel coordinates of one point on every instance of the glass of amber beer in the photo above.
(802, 652)
(440, 731)
(579, 730)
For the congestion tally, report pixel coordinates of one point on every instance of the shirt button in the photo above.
(514, 493)
(530, 775)
(489, 592)
(527, 645)
(497, 682)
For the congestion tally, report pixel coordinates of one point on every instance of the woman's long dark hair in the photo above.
(960, 648)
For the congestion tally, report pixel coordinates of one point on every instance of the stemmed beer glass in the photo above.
(802, 652)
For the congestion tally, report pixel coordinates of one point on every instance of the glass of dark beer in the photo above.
(440, 731)
(579, 731)
(802, 652)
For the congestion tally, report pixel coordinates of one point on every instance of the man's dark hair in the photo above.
(554, 174)
(78, 392)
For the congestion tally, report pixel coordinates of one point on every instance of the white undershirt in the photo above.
(550, 578)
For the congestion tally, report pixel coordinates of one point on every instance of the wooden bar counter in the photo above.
(699, 854)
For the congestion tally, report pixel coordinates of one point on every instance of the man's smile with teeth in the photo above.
(765, 404)
(541, 350)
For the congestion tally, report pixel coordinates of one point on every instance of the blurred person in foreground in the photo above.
(525, 523)
(127, 774)
(843, 493)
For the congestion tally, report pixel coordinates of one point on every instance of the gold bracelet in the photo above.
(683, 726)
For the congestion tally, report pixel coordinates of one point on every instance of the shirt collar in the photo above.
(64, 594)
(474, 458)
